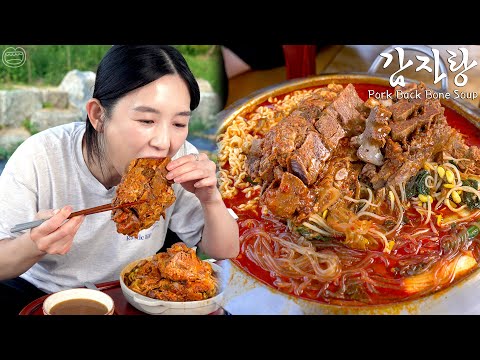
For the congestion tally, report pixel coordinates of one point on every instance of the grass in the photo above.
(31, 128)
(205, 64)
(48, 64)
(5, 153)
(7, 87)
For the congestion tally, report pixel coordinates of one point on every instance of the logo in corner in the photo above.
(14, 57)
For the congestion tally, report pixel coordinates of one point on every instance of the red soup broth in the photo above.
(455, 120)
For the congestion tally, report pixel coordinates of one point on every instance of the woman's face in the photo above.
(151, 121)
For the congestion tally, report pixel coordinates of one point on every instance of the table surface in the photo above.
(112, 288)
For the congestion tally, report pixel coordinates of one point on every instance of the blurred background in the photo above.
(42, 86)
(247, 73)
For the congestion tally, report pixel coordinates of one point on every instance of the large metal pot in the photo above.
(245, 294)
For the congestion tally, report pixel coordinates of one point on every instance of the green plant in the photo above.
(32, 128)
(196, 126)
(6, 86)
(206, 62)
(48, 64)
(47, 105)
(6, 152)
(195, 50)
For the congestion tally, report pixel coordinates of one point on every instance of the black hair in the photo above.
(127, 67)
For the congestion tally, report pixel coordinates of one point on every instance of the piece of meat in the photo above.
(183, 264)
(330, 130)
(401, 130)
(284, 199)
(348, 105)
(254, 158)
(338, 177)
(423, 146)
(311, 107)
(256, 147)
(278, 173)
(456, 148)
(309, 159)
(144, 180)
(325, 195)
(394, 159)
(401, 110)
(277, 146)
(271, 155)
(184, 276)
(368, 173)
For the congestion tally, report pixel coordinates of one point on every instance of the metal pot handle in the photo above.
(427, 50)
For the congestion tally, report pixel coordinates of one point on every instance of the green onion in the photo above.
(473, 231)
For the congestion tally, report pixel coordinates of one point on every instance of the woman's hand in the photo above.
(197, 174)
(51, 236)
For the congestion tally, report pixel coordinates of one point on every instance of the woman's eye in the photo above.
(146, 121)
(180, 125)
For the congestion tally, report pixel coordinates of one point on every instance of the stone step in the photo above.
(47, 118)
(13, 136)
(20, 103)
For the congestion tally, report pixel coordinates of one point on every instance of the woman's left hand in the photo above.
(197, 174)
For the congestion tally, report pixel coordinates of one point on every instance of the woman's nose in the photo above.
(160, 138)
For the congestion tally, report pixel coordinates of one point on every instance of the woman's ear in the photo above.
(95, 113)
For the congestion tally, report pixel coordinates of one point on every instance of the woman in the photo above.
(141, 106)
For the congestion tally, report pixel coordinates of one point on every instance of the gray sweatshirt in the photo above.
(48, 171)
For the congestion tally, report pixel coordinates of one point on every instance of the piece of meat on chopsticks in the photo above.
(144, 180)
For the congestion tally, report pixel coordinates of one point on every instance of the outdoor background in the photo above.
(47, 65)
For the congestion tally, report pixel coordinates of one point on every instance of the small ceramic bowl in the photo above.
(78, 302)
(161, 307)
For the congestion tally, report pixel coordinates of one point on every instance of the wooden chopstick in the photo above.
(102, 208)
(93, 210)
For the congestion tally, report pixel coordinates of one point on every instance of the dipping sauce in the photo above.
(79, 307)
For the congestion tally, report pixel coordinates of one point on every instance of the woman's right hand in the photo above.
(51, 237)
